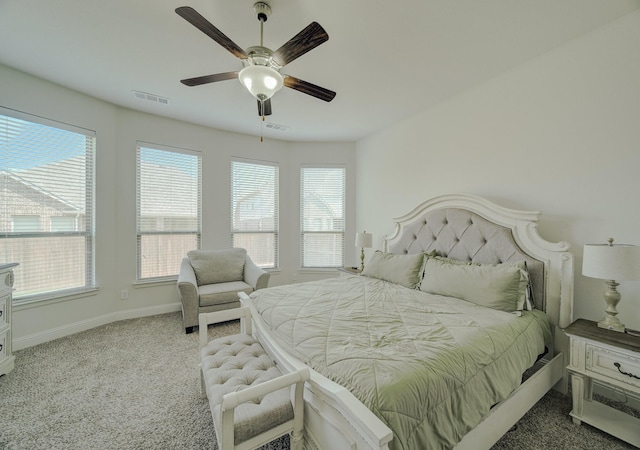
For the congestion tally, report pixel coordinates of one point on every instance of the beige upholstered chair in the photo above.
(210, 280)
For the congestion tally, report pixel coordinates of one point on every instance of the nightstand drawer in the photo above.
(612, 364)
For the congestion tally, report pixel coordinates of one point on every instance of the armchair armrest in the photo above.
(254, 276)
(233, 399)
(188, 291)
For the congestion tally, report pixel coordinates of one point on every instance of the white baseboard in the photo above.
(55, 333)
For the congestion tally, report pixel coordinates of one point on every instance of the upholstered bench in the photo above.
(252, 400)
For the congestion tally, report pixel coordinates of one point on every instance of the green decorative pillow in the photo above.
(218, 266)
(500, 286)
(399, 269)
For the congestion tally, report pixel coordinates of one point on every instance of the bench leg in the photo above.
(297, 434)
(188, 330)
(296, 440)
(203, 389)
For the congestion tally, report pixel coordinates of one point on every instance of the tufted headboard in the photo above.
(469, 228)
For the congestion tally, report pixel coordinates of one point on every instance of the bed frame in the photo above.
(467, 227)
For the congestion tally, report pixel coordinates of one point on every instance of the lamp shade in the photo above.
(364, 240)
(611, 262)
(261, 81)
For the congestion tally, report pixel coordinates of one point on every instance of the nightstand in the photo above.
(611, 358)
(344, 271)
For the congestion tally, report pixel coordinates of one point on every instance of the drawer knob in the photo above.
(617, 364)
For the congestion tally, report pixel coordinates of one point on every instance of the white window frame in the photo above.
(268, 259)
(307, 231)
(170, 184)
(38, 279)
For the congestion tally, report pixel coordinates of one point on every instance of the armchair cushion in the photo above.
(218, 266)
(216, 294)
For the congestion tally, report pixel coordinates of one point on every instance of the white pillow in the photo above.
(399, 269)
(500, 286)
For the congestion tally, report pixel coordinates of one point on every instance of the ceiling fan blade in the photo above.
(197, 81)
(308, 88)
(308, 39)
(267, 107)
(202, 24)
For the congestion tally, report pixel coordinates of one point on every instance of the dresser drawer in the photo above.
(4, 309)
(6, 283)
(3, 344)
(620, 366)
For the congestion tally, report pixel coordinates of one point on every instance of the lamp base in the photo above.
(605, 323)
(611, 298)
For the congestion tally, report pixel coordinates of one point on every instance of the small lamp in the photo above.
(363, 240)
(611, 262)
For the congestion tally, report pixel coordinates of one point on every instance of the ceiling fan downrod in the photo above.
(263, 11)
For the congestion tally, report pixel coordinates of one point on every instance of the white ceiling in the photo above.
(385, 60)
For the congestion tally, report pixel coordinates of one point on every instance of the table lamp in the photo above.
(611, 262)
(363, 240)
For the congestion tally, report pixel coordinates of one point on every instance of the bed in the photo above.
(429, 347)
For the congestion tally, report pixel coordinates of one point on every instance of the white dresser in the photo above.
(6, 289)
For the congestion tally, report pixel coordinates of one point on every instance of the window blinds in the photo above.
(254, 210)
(168, 209)
(322, 220)
(47, 198)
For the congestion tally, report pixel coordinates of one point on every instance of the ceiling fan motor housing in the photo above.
(260, 56)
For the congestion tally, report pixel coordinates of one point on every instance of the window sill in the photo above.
(152, 283)
(20, 305)
(318, 269)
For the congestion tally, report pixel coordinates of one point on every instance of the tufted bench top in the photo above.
(232, 363)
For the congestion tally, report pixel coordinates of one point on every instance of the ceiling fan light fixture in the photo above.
(261, 81)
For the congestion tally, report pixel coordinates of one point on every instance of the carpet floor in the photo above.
(134, 384)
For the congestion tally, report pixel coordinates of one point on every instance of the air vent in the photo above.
(151, 97)
(276, 127)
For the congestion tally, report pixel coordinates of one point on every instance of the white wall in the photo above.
(118, 130)
(559, 134)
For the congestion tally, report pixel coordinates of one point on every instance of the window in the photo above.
(322, 221)
(46, 176)
(254, 210)
(168, 209)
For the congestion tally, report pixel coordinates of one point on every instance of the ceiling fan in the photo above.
(261, 66)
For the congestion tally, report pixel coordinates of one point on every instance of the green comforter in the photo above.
(428, 366)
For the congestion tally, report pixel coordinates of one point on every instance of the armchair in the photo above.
(209, 280)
